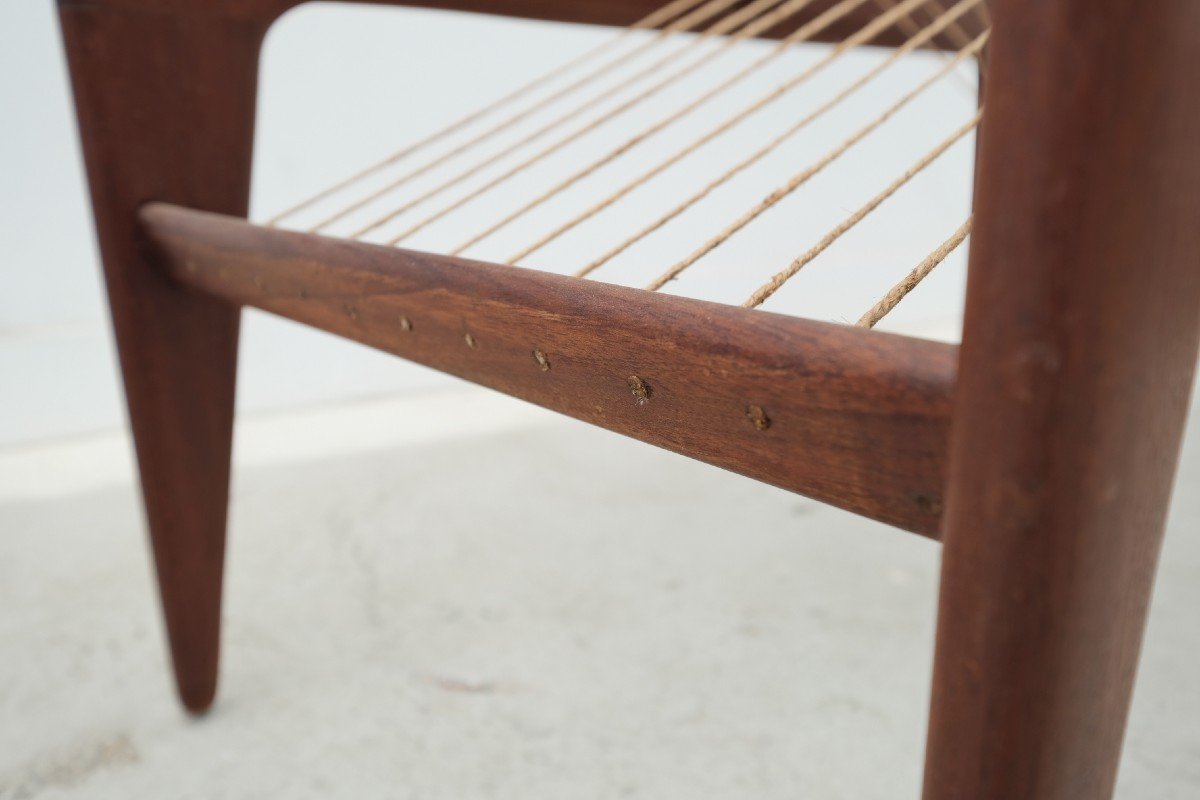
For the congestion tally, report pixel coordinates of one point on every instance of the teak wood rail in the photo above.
(855, 418)
(1078, 355)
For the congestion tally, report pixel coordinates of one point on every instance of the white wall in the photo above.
(342, 85)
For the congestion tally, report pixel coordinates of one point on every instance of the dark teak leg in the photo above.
(165, 103)
(1083, 317)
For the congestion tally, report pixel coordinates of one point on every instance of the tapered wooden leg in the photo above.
(1083, 318)
(165, 103)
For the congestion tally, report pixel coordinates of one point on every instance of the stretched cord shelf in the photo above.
(685, 73)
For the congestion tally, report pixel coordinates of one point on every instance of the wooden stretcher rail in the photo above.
(618, 13)
(854, 418)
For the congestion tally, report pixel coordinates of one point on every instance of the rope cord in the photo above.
(773, 285)
(711, 8)
(958, 37)
(898, 292)
(864, 35)
(869, 31)
(802, 177)
(745, 164)
(653, 20)
(757, 27)
(719, 28)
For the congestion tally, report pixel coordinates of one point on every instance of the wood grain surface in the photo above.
(165, 105)
(855, 418)
(1081, 337)
(261, 13)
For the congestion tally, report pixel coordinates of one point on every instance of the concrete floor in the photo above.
(455, 596)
